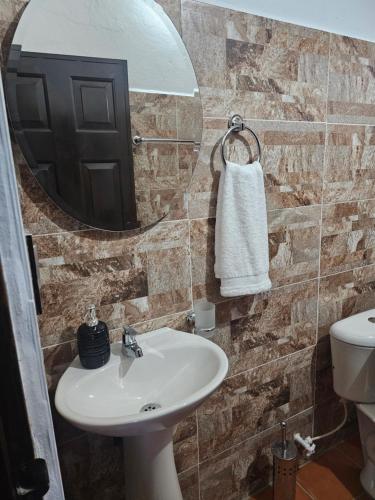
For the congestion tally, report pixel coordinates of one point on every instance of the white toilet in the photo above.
(353, 359)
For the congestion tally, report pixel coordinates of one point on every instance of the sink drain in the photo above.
(150, 407)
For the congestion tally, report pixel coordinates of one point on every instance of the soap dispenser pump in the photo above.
(93, 341)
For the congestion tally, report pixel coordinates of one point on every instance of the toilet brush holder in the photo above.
(285, 467)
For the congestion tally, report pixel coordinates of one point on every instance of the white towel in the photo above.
(241, 239)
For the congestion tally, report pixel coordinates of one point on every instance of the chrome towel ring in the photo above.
(236, 124)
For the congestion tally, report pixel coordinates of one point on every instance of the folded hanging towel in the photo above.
(241, 239)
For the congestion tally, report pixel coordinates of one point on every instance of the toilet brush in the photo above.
(285, 466)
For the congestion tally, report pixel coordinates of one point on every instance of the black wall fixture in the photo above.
(71, 117)
(34, 268)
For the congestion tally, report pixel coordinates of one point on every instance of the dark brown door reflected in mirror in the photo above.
(71, 117)
(84, 80)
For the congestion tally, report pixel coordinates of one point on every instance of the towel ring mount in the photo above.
(235, 125)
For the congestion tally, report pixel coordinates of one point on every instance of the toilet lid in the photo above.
(357, 330)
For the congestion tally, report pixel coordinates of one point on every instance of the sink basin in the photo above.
(142, 400)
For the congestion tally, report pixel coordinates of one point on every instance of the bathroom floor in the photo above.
(334, 475)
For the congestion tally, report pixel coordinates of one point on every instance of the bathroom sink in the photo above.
(141, 400)
(131, 396)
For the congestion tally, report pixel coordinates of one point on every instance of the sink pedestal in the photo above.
(150, 470)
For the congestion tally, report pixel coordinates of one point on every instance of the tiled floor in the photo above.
(332, 476)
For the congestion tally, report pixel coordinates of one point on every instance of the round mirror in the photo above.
(105, 105)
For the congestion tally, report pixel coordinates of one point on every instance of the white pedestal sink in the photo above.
(142, 400)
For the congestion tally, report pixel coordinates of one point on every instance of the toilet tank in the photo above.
(353, 357)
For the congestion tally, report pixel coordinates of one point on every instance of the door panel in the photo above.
(100, 179)
(89, 125)
(31, 102)
(94, 106)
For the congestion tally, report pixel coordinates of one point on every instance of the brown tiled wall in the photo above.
(310, 97)
(162, 172)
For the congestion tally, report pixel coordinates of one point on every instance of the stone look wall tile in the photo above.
(323, 375)
(202, 241)
(130, 278)
(10, 13)
(56, 360)
(253, 401)
(173, 9)
(153, 114)
(350, 164)
(205, 180)
(292, 159)
(203, 31)
(294, 244)
(177, 321)
(256, 66)
(162, 172)
(10, 10)
(351, 96)
(344, 294)
(92, 464)
(189, 117)
(185, 441)
(237, 473)
(189, 483)
(348, 236)
(257, 329)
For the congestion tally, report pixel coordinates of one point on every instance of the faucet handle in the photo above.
(130, 345)
(128, 335)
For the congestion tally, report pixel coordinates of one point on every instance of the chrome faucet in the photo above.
(130, 347)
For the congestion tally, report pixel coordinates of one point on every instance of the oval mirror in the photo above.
(105, 105)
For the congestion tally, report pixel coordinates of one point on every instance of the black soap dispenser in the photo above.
(93, 341)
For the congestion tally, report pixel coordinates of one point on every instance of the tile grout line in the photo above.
(192, 308)
(113, 330)
(171, 315)
(316, 278)
(298, 207)
(304, 122)
(227, 378)
(191, 269)
(177, 221)
(189, 469)
(198, 456)
(281, 358)
(132, 233)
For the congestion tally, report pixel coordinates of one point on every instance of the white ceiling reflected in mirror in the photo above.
(86, 77)
(138, 31)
